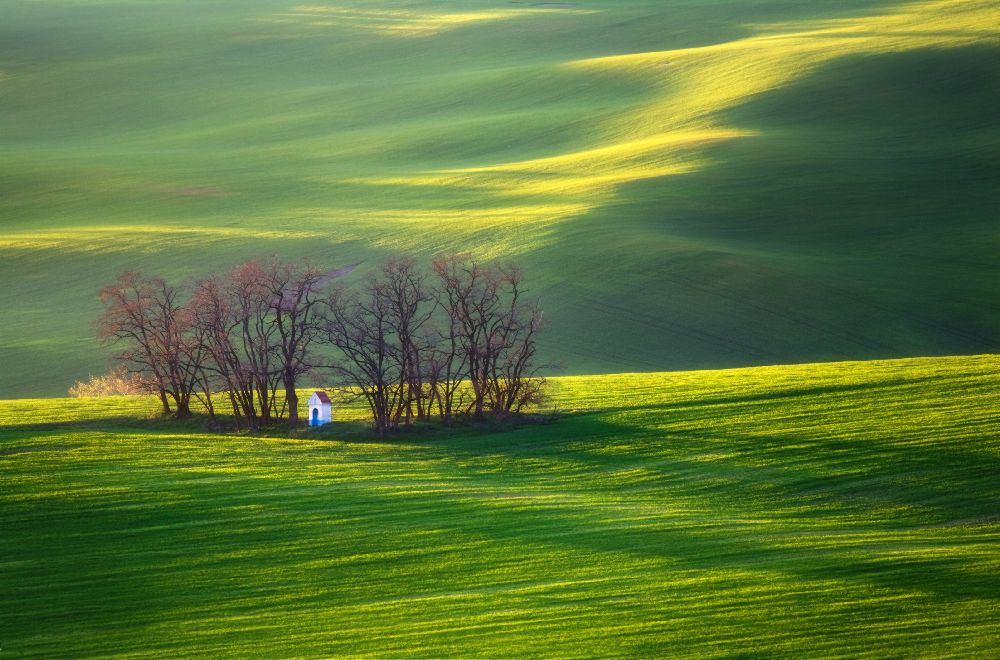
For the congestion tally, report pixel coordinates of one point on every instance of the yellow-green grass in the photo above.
(846, 509)
(693, 183)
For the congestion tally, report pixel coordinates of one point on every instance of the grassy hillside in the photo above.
(694, 183)
(834, 509)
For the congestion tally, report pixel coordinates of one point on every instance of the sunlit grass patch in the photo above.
(700, 83)
(403, 22)
(125, 238)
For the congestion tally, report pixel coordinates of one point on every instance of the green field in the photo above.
(846, 509)
(693, 183)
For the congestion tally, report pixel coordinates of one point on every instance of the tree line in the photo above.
(456, 341)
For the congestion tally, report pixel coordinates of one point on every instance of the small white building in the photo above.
(320, 409)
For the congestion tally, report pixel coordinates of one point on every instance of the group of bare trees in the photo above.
(245, 334)
(459, 340)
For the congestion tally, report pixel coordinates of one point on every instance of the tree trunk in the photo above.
(236, 408)
(209, 404)
(164, 401)
(292, 400)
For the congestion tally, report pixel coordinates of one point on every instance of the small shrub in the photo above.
(117, 382)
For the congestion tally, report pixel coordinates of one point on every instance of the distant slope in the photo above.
(687, 184)
(818, 510)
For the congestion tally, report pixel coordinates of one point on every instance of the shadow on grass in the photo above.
(225, 426)
(197, 423)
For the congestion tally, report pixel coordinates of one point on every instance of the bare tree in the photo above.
(492, 334)
(230, 313)
(446, 359)
(220, 322)
(255, 335)
(359, 328)
(294, 303)
(471, 295)
(381, 334)
(142, 314)
(198, 351)
(257, 324)
(513, 380)
(410, 308)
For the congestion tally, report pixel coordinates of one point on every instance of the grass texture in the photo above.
(688, 184)
(845, 509)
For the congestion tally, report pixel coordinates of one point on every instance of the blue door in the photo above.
(315, 417)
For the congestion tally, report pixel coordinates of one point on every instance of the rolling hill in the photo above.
(687, 184)
(823, 510)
